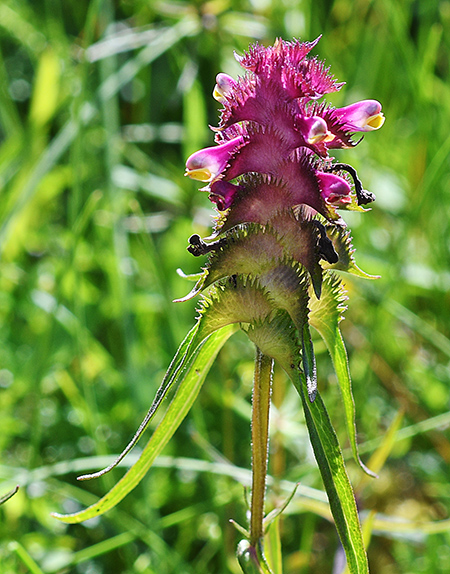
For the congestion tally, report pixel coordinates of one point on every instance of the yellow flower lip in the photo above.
(317, 131)
(376, 121)
(218, 94)
(201, 174)
(325, 137)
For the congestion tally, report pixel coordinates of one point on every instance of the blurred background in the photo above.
(101, 102)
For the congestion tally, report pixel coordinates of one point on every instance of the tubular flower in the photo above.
(363, 116)
(315, 130)
(224, 85)
(207, 164)
(334, 189)
(222, 193)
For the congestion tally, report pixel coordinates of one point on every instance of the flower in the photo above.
(363, 116)
(207, 164)
(222, 193)
(315, 130)
(224, 85)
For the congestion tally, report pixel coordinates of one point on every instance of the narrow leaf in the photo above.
(337, 484)
(9, 495)
(325, 316)
(46, 89)
(191, 381)
(277, 338)
(276, 512)
(309, 363)
(273, 547)
(380, 456)
(31, 566)
(367, 529)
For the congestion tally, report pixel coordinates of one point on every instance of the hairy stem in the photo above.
(262, 388)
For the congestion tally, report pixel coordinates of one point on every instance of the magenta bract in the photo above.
(273, 125)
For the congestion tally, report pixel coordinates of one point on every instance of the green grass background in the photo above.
(100, 104)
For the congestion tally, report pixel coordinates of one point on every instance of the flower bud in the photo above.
(334, 189)
(248, 558)
(315, 130)
(222, 194)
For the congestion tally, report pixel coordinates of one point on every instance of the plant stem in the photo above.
(262, 388)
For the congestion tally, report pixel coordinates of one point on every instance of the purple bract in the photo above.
(273, 124)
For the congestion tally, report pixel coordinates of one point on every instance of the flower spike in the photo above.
(269, 271)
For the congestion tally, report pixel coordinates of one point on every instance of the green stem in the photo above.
(262, 388)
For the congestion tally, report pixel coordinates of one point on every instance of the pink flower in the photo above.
(224, 85)
(363, 116)
(207, 164)
(222, 193)
(314, 130)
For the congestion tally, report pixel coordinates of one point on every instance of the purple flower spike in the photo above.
(278, 237)
(207, 164)
(274, 139)
(364, 116)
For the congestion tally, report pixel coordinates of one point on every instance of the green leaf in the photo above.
(382, 453)
(325, 315)
(191, 380)
(46, 88)
(22, 553)
(391, 525)
(276, 512)
(309, 363)
(272, 547)
(337, 484)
